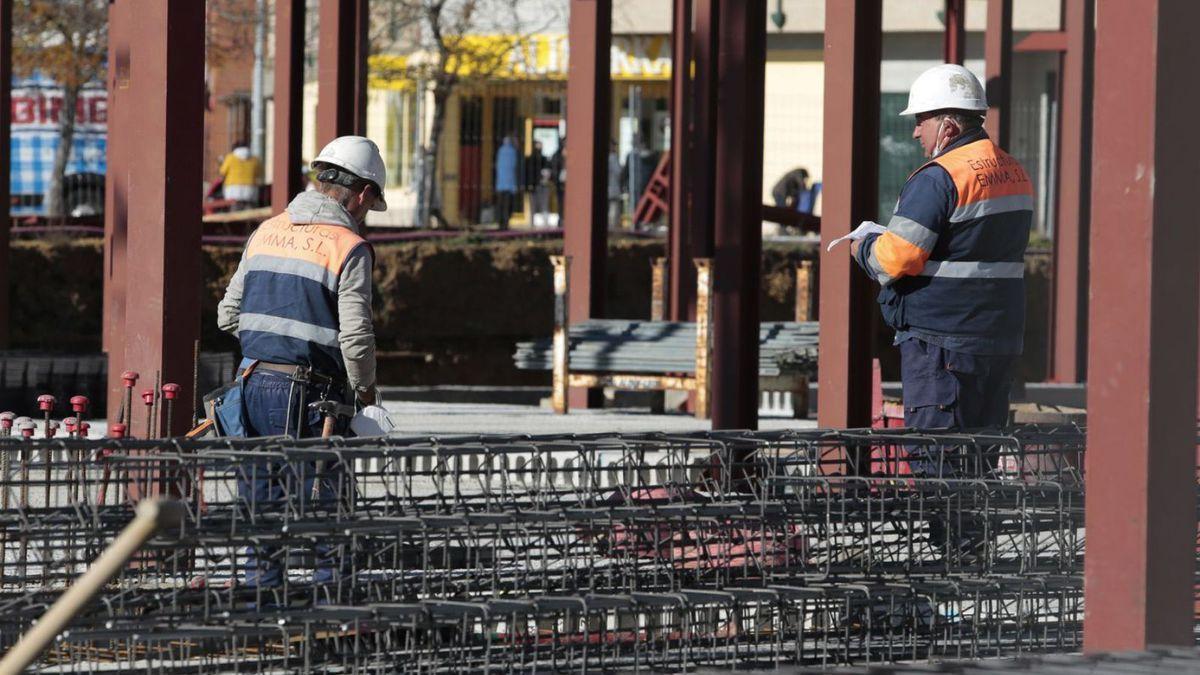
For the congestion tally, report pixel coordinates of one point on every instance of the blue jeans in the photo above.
(950, 390)
(274, 485)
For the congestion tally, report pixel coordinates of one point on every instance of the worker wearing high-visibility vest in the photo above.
(300, 305)
(951, 264)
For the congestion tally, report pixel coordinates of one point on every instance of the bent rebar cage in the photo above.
(599, 552)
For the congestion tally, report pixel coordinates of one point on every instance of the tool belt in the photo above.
(303, 374)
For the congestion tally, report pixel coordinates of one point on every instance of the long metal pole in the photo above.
(853, 43)
(954, 41)
(1068, 325)
(737, 259)
(152, 516)
(705, 43)
(289, 89)
(162, 321)
(997, 55)
(6, 9)
(336, 71)
(681, 291)
(121, 102)
(257, 103)
(589, 91)
(1141, 455)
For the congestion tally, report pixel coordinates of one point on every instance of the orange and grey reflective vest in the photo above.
(952, 262)
(289, 310)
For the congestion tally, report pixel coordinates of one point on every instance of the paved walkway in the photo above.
(415, 418)
(463, 418)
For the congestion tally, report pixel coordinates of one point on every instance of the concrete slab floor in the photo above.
(415, 418)
(434, 419)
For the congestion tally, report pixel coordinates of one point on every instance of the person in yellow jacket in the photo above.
(241, 175)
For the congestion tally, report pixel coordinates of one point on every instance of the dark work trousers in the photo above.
(951, 390)
(504, 207)
(273, 486)
(955, 391)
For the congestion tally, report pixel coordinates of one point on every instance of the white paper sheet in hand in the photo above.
(864, 228)
(372, 420)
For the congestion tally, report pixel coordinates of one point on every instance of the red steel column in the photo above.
(681, 288)
(162, 314)
(853, 47)
(121, 100)
(289, 91)
(1141, 485)
(954, 46)
(6, 10)
(737, 250)
(585, 237)
(1068, 325)
(337, 72)
(362, 49)
(997, 56)
(705, 42)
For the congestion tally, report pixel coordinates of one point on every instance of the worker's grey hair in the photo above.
(340, 193)
(965, 120)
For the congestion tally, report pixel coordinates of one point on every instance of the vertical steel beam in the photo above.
(121, 101)
(853, 44)
(289, 92)
(162, 312)
(362, 50)
(954, 45)
(1141, 506)
(585, 237)
(737, 250)
(997, 57)
(337, 72)
(1068, 324)
(682, 287)
(6, 11)
(705, 42)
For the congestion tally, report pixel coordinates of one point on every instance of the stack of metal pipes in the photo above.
(621, 346)
(607, 551)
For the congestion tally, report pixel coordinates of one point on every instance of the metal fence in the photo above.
(567, 552)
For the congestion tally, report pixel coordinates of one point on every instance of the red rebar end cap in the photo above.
(27, 429)
(51, 429)
(79, 403)
(46, 402)
(116, 430)
(83, 429)
(71, 423)
(148, 396)
(130, 377)
(6, 419)
(170, 390)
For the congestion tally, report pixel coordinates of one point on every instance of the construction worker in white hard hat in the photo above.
(951, 265)
(300, 305)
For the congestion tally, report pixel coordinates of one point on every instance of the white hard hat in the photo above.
(946, 87)
(359, 156)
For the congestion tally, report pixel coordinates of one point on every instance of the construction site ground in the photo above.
(450, 419)
(413, 418)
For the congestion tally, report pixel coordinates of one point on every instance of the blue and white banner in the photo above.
(36, 113)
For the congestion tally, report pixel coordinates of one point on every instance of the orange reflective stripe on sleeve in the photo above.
(898, 257)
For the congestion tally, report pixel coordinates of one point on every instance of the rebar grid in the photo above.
(569, 552)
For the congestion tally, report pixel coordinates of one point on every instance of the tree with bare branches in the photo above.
(460, 42)
(66, 41)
